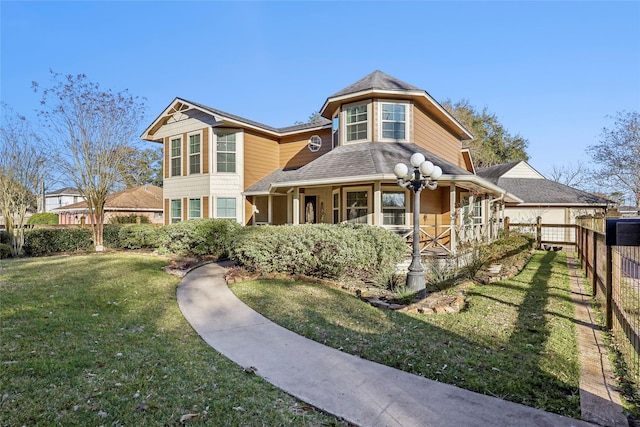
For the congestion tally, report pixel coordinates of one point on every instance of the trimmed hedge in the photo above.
(198, 237)
(39, 241)
(359, 252)
(47, 218)
(138, 237)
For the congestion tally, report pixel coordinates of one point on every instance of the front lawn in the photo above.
(515, 341)
(100, 340)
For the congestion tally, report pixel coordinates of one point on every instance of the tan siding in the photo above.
(433, 137)
(185, 203)
(167, 163)
(294, 151)
(205, 150)
(260, 157)
(205, 207)
(166, 212)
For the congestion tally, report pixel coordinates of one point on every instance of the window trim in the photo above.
(190, 154)
(405, 208)
(235, 152)
(335, 210)
(345, 125)
(175, 219)
(172, 157)
(407, 120)
(189, 212)
(235, 208)
(344, 210)
(315, 143)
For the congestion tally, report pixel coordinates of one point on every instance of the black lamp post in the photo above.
(424, 175)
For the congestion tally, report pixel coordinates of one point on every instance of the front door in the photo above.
(310, 209)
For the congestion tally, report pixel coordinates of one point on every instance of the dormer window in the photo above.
(393, 121)
(356, 123)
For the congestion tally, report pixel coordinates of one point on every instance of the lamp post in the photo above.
(424, 175)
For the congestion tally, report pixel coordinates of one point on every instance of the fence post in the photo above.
(595, 263)
(539, 232)
(609, 289)
(507, 223)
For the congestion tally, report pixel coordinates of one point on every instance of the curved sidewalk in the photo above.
(359, 391)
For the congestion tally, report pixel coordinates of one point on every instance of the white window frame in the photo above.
(469, 206)
(190, 154)
(175, 219)
(345, 207)
(405, 208)
(235, 208)
(335, 196)
(235, 152)
(345, 125)
(172, 157)
(189, 211)
(407, 120)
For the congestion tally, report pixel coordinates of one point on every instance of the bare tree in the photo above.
(22, 170)
(92, 130)
(618, 154)
(574, 175)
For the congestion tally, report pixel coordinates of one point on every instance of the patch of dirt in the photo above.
(179, 266)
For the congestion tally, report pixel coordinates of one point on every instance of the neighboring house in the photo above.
(63, 197)
(145, 200)
(629, 211)
(219, 165)
(555, 203)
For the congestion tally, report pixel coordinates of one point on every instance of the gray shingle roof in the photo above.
(67, 191)
(493, 173)
(286, 129)
(544, 191)
(356, 160)
(376, 80)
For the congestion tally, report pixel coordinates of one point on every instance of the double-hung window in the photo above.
(195, 208)
(394, 208)
(336, 207)
(394, 121)
(357, 206)
(226, 207)
(356, 126)
(195, 148)
(226, 151)
(176, 211)
(176, 156)
(472, 210)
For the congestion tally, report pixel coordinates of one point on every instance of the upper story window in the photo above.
(176, 156)
(195, 148)
(226, 151)
(393, 121)
(394, 207)
(356, 123)
(335, 131)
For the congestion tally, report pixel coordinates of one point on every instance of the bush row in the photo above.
(319, 250)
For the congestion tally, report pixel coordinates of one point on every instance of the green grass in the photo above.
(515, 341)
(100, 340)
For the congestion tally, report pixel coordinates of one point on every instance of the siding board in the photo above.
(294, 151)
(260, 157)
(431, 136)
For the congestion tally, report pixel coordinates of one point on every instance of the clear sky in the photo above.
(551, 71)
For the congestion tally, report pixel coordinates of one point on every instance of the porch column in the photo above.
(296, 206)
(270, 214)
(377, 203)
(452, 211)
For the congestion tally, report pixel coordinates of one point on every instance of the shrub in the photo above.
(111, 236)
(47, 218)
(198, 237)
(129, 219)
(4, 237)
(5, 251)
(138, 237)
(39, 241)
(342, 251)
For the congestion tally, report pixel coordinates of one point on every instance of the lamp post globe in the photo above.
(424, 174)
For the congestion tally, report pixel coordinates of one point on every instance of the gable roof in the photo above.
(143, 198)
(535, 189)
(66, 191)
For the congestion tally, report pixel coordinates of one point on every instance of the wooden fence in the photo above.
(548, 236)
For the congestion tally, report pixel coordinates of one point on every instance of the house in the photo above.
(553, 202)
(62, 197)
(145, 200)
(340, 169)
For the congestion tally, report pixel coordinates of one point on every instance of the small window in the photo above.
(226, 151)
(336, 207)
(394, 208)
(226, 207)
(194, 153)
(176, 156)
(356, 123)
(176, 211)
(394, 121)
(315, 142)
(195, 208)
(357, 206)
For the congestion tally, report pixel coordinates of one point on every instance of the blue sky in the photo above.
(550, 71)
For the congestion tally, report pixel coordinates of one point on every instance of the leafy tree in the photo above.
(314, 118)
(141, 167)
(492, 143)
(618, 154)
(92, 130)
(22, 169)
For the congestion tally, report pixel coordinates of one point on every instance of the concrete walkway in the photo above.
(361, 392)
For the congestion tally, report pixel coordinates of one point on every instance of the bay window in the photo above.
(357, 206)
(393, 121)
